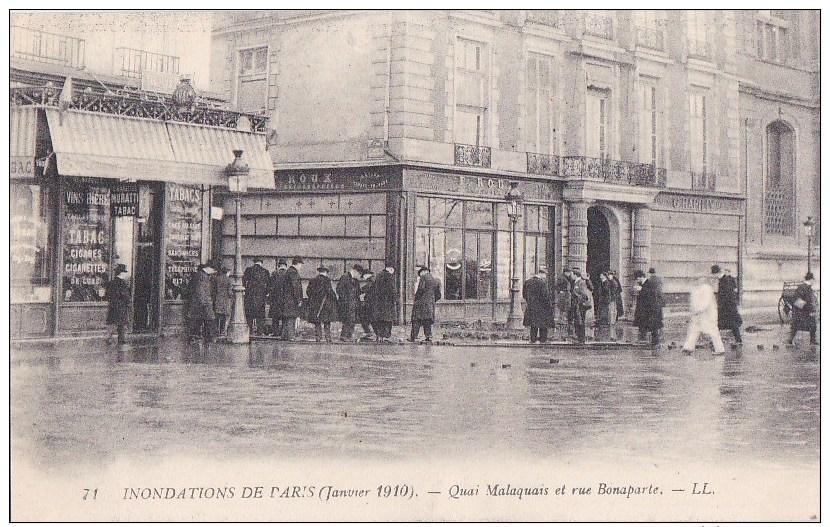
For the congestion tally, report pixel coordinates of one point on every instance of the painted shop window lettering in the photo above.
(86, 241)
(29, 239)
(184, 238)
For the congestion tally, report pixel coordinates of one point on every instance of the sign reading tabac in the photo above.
(335, 180)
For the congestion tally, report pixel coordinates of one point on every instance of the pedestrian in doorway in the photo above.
(704, 316)
(603, 299)
(427, 293)
(119, 301)
(618, 295)
(728, 315)
(275, 297)
(364, 311)
(648, 313)
(581, 303)
(322, 304)
(224, 299)
(564, 290)
(539, 306)
(255, 279)
(804, 311)
(199, 306)
(382, 303)
(291, 294)
(348, 298)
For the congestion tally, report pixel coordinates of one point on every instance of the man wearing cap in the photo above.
(382, 303)
(804, 310)
(118, 302)
(322, 304)
(427, 294)
(704, 318)
(348, 297)
(199, 305)
(292, 298)
(538, 307)
(275, 286)
(648, 313)
(727, 293)
(255, 279)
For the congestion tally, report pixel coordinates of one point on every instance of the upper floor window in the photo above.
(600, 23)
(779, 191)
(698, 148)
(597, 106)
(697, 34)
(251, 92)
(471, 93)
(541, 126)
(648, 124)
(649, 28)
(772, 39)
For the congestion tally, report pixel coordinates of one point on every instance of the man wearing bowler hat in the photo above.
(322, 303)
(427, 294)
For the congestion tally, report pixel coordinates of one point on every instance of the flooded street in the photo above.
(77, 402)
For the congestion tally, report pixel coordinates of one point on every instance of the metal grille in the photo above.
(779, 212)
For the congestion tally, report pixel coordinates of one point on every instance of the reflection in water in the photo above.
(408, 401)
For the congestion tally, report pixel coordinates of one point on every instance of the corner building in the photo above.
(398, 133)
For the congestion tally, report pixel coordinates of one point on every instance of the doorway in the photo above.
(599, 243)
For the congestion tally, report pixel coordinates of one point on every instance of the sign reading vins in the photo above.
(86, 241)
(184, 238)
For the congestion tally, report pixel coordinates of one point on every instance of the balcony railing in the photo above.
(542, 164)
(472, 155)
(612, 171)
(546, 17)
(699, 49)
(40, 46)
(138, 104)
(599, 26)
(133, 62)
(703, 181)
(649, 37)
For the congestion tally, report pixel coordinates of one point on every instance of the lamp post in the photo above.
(514, 198)
(809, 227)
(237, 172)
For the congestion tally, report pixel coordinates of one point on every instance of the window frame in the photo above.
(552, 147)
(482, 72)
(252, 76)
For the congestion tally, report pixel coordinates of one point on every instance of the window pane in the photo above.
(453, 213)
(530, 251)
(86, 238)
(29, 240)
(479, 214)
(502, 217)
(503, 265)
(422, 246)
(485, 265)
(532, 218)
(467, 127)
(544, 219)
(471, 266)
(422, 211)
(452, 264)
(436, 253)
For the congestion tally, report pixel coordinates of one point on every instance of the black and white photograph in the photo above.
(337, 265)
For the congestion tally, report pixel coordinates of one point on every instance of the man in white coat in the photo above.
(704, 318)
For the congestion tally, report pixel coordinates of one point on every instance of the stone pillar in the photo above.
(642, 239)
(578, 234)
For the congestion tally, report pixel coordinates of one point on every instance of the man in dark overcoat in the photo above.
(255, 279)
(291, 295)
(348, 298)
(364, 311)
(618, 295)
(199, 305)
(382, 303)
(804, 310)
(119, 300)
(427, 294)
(648, 313)
(275, 286)
(728, 315)
(322, 304)
(564, 286)
(581, 303)
(539, 306)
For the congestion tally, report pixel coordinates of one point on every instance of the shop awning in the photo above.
(108, 146)
(22, 137)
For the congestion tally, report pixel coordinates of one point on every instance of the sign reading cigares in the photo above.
(183, 239)
(86, 229)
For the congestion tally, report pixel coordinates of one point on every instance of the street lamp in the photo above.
(237, 172)
(514, 199)
(809, 227)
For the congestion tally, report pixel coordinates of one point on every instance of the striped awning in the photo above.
(112, 146)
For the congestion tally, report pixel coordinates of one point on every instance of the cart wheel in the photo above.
(783, 310)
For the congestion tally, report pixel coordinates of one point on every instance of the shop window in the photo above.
(29, 233)
(183, 238)
(86, 241)
(537, 229)
(779, 191)
(541, 127)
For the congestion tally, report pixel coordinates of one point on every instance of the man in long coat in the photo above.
(199, 305)
(804, 310)
(275, 286)
(648, 313)
(427, 294)
(728, 315)
(348, 298)
(364, 311)
(539, 306)
(564, 288)
(291, 298)
(255, 279)
(119, 300)
(581, 303)
(322, 304)
(223, 302)
(382, 303)
(618, 295)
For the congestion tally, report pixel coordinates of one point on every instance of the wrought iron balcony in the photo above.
(599, 26)
(40, 46)
(139, 104)
(133, 62)
(703, 181)
(542, 164)
(546, 17)
(700, 49)
(649, 37)
(472, 155)
(612, 171)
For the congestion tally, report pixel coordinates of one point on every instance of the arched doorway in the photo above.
(599, 243)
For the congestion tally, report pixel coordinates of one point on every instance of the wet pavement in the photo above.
(85, 401)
